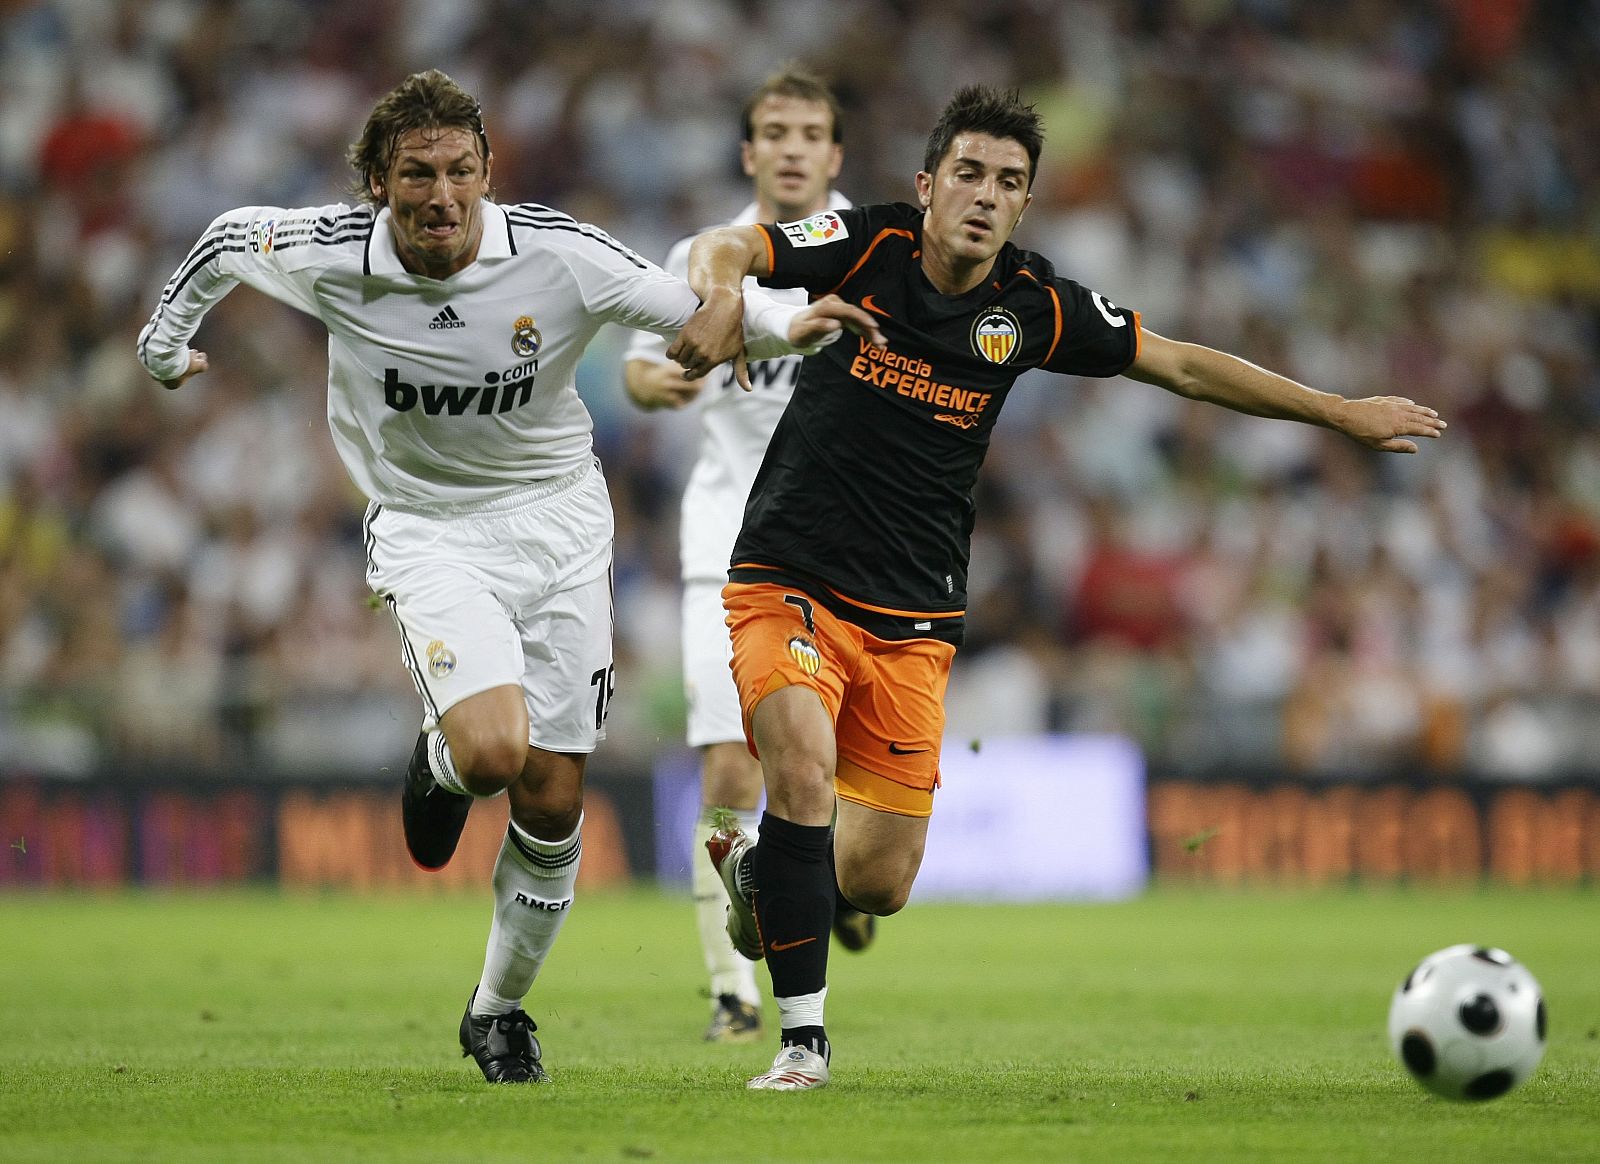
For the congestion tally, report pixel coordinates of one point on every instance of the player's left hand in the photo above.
(830, 317)
(1384, 423)
(713, 335)
(198, 363)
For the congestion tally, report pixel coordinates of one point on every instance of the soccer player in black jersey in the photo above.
(848, 581)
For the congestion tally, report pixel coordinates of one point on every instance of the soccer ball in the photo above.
(1468, 1023)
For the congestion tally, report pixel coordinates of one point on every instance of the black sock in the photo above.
(793, 900)
(811, 1038)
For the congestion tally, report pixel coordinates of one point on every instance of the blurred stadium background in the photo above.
(1331, 662)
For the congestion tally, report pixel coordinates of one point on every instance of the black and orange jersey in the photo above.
(866, 488)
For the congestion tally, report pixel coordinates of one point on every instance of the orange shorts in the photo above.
(886, 699)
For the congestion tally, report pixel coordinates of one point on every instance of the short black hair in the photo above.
(984, 109)
(427, 100)
(798, 82)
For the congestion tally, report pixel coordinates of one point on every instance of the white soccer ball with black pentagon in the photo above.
(1468, 1023)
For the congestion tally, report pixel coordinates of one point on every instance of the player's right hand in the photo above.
(197, 363)
(1384, 422)
(714, 335)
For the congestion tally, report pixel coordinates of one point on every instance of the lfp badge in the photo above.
(822, 227)
(996, 334)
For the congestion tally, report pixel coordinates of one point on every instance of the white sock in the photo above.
(731, 972)
(803, 1010)
(443, 766)
(533, 882)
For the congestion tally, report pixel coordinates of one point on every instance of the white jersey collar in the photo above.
(383, 259)
(747, 216)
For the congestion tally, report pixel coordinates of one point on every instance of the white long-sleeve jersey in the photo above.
(442, 390)
(735, 427)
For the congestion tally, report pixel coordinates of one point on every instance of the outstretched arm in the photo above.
(238, 247)
(1201, 373)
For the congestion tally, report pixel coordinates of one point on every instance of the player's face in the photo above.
(975, 198)
(434, 190)
(791, 156)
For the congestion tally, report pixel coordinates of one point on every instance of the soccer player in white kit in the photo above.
(455, 326)
(791, 151)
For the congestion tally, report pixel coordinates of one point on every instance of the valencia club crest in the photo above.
(996, 335)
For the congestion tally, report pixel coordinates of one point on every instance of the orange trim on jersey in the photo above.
(891, 610)
(1056, 299)
(1138, 338)
(878, 238)
(918, 614)
(772, 256)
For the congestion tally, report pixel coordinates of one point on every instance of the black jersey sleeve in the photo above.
(1094, 336)
(818, 252)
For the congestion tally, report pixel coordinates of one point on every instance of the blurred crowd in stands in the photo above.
(1375, 197)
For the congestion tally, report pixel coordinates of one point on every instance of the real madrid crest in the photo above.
(441, 659)
(996, 335)
(525, 338)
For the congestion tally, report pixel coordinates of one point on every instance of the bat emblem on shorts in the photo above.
(805, 654)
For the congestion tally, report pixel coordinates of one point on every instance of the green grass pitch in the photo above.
(1186, 1025)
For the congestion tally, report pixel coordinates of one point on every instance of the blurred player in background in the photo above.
(454, 328)
(848, 582)
(791, 152)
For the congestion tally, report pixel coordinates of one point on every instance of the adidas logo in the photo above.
(446, 319)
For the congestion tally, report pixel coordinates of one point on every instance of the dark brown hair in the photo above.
(982, 109)
(428, 100)
(798, 82)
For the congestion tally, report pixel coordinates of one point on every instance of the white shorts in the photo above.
(511, 591)
(708, 685)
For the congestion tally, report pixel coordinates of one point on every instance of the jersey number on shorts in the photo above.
(605, 683)
(806, 610)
